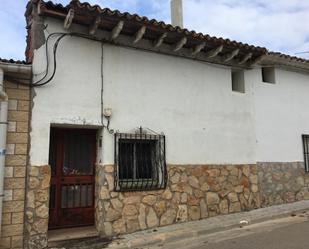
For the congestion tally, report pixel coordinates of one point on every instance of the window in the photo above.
(77, 153)
(306, 151)
(268, 75)
(140, 162)
(238, 81)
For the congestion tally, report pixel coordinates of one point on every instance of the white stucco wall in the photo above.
(191, 102)
(72, 97)
(281, 116)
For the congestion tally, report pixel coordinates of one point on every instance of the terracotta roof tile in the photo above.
(86, 8)
(289, 57)
(144, 20)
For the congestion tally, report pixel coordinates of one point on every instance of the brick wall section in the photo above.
(15, 166)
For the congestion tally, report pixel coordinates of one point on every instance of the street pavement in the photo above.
(285, 233)
(283, 226)
(222, 230)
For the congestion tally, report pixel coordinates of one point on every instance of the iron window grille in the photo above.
(140, 162)
(306, 151)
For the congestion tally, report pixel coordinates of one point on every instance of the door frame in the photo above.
(57, 175)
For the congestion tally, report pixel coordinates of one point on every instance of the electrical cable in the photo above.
(13, 79)
(55, 47)
(55, 63)
(102, 83)
(47, 57)
(110, 131)
(37, 83)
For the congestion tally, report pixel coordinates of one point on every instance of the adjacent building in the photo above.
(14, 145)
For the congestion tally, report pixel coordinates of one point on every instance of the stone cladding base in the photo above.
(282, 182)
(193, 192)
(37, 207)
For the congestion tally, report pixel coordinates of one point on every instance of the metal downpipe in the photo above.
(3, 131)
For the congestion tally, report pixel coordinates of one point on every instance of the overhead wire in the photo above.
(47, 56)
(55, 64)
(20, 79)
(38, 83)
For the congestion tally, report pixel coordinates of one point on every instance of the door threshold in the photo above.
(56, 237)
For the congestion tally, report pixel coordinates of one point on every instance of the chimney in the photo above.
(176, 13)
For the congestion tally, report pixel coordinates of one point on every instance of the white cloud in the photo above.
(279, 25)
(158, 9)
(13, 32)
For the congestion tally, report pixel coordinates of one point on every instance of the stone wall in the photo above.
(193, 193)
(37, 207)
(15, 166)
(282, 182)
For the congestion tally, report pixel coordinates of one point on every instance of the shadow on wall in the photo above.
(282, 183)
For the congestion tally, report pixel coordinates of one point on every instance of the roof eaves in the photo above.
(260, 56)
(285, 61)
(51, 9)
(289, 57)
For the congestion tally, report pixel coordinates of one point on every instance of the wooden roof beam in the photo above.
(69, 19)
(160, 40)
(139, 34)
(198, 48)
(214, 52)
(93, 28)
(245, 58)
(229, 56)
(116, 30)
(258, 59)
(179, 45)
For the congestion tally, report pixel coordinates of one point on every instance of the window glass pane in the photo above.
(64, 196)
(140, 160)
(77, 154)
(52, 196)
(77, 193)
(71, 196)
(144, 159)
(89, 195)
(52, 152)
(126, 159)
(306, 151)
(83, 196)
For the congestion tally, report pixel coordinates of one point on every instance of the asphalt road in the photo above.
(285, 233)
(294, 236)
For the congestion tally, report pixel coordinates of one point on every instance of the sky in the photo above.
(278, 25)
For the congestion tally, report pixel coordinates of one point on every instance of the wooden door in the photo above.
(72, 158)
